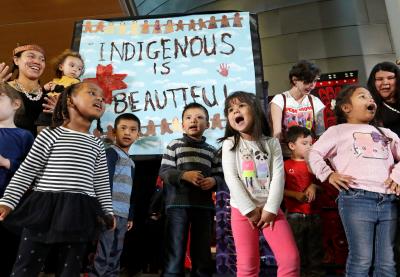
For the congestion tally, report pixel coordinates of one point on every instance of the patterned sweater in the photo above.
(186, 154)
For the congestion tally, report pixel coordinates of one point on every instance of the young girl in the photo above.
(14, 146)
(362, 158)
(69, 67)
(69, 170)
(253, 169)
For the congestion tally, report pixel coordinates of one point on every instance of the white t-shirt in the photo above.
(254, 178)
(298, 113)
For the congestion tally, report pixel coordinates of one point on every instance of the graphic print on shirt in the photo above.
(298, 117)
(248, 167)
(262, 168)
(370, 145)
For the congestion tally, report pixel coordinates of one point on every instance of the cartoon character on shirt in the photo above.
(370, 145)
(262, 168)
(248, 167)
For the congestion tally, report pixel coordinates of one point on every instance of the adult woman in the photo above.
(29, 64)
(296, 106)
(384, 85)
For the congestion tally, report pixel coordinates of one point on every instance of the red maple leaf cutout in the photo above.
(108, 81)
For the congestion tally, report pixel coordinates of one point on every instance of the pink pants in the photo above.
(280, 240)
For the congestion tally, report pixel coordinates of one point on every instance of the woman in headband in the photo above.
(28, 66)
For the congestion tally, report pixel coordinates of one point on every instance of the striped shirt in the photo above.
(186, 154)
(122, 181)
(63, 160)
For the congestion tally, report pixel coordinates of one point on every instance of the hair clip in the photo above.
(333, 104)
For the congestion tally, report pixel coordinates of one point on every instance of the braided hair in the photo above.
(61, 113)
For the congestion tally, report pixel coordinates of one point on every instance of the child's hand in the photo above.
(311, 192)
(300, 196)
(207, 183)
(51, 104)
(266, 219)
(340, 181)
(129, 226)
(392, 186)
(4, 211)
(193, 176)
(49, 86)
(254, 216)
(5, 162)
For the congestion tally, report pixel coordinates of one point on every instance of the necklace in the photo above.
(37, 91)
(391, 108)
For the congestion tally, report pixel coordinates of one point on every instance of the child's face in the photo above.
(31, 64)
(72, 67)
(300, 147)
(362, 107)
(126, 133)
(195, 122)
(8, 107)
(88, 100)
(240, 117)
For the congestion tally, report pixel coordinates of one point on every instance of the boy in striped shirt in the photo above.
(190, 170)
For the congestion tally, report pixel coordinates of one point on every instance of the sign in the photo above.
(154, 66)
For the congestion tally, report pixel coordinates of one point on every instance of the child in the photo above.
(301, 211)
(14, 146)
(69, 67)
(68, 169)
(253, 169)
(122, 170)
(190, 171)
(362, 157)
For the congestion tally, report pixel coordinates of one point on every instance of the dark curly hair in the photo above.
(304, 71)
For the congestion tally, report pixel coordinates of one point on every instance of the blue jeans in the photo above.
(369, 220)
(109, 249)
(178, 223)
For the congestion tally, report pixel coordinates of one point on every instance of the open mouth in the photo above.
(371, 107)
(98, 106)
(239, 119)
(194, 127)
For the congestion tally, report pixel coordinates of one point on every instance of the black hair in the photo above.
(296, 132)
(389, 67)
(126, 116)
(14, 67)
(304, 71)
(61, 113)
(344, 97)
(260, 122)
(195, 105)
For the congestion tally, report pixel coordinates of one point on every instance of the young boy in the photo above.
(300, 194)
(121, 171)
(190, 170)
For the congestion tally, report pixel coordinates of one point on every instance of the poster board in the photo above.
(154, 66)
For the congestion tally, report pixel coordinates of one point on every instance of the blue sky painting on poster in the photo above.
(153, 67)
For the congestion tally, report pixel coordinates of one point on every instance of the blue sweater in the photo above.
(14, 145)
(121, 171)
